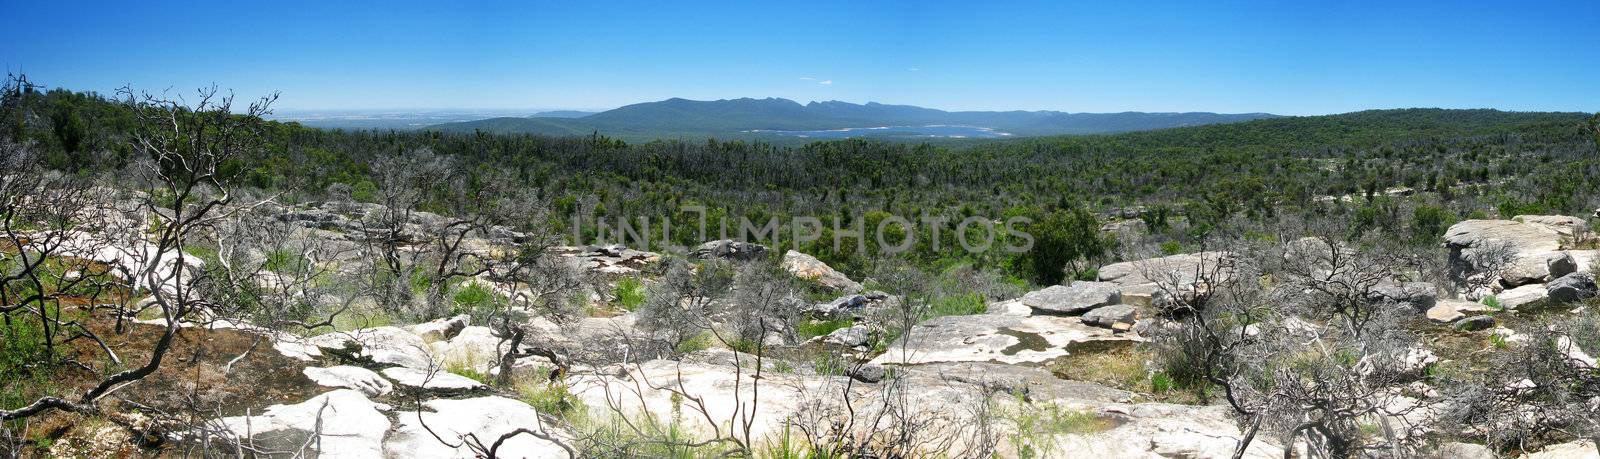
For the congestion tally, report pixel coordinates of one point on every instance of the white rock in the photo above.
(1581, 449)
(437, 380)
(989, 337)
(487, 418)
(474, 347)
(385, 345)
(810, 268)
(441, 329)
(1522, 296)
(1077, 297)
(349, 377)
(350, 426)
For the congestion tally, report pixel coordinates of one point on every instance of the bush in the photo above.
(629, 293)
(814, 328)
(964, 304)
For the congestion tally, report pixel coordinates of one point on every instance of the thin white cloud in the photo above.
(914, 69)
(807, 78)
(825, 82)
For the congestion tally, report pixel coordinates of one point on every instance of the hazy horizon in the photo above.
(1288, 59)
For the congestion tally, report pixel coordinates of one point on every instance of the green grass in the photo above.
(963, 304)
(696, 343)
(813, 328)
(553, 398)
(473, 297)
(629, 293)
(1493, 302)
(284, 261)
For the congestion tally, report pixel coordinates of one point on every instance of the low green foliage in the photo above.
(962, 304)
(552, 397)
(813, 328)
(629, 293)
(695, 343)
(285, 261)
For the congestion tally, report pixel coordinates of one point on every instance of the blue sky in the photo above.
(1279, 57)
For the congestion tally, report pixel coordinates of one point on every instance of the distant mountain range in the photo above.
(738, 118)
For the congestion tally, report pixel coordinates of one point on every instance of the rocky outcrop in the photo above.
(810, 268)
(729, 249)
(1561, 224)
(991, 338)
(1571, 288)
(1119, 317)
(1074, 298)
(607, 259)
(344, 422)
(433, 381)
(1522, 296)
(850, 305)
(344, 376)
(380, 345)
(475, 347)
(1450, 311)
(441, 329)
(418, 433)
(1582, 449)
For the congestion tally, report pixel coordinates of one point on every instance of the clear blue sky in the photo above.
(1279, 56)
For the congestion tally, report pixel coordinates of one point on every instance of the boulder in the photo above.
(851, 336)
(849, 305)
(1575, 355)
(1075, 298)
(810, 268)
(729, 249)
(1475, 323)
(1184, 268)
(1522, 296)
(475, 347)
(349, 377)
(1571, 288)
(1116, 317)
(992, 337)
(531, 368)
(346, 424)
(440, 381)
(1534, 268)
(441, 329)
(867, 373)
(487, 418)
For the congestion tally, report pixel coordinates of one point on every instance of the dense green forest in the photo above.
(1182, 182)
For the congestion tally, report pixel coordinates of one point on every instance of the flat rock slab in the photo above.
(1449, 311)
(366, 381)
(1522, 296)
(1185, 268)
(1074, 298)
(350, 425)
(437, 381)
(1521, 237)
(991, 338)
(383, 345)
(1563, 224)
(486, 417)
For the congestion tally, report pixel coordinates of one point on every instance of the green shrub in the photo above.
(696, 343)
(553, 398)
(964, 304)
(473, 297)
(284, 261)
(629, 293)
(813, 328)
